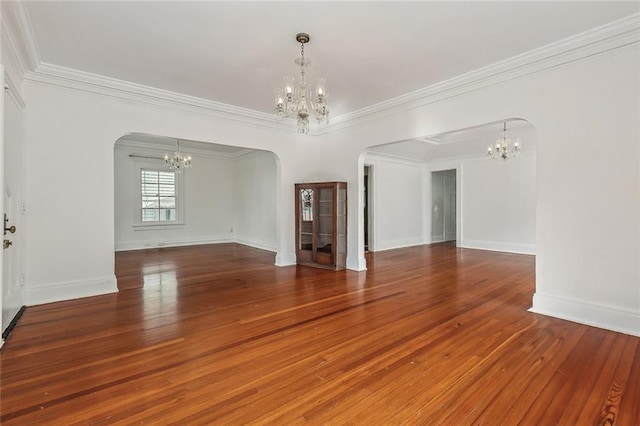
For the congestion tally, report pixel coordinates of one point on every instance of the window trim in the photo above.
(138, 224)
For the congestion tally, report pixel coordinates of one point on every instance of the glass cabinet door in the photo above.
(321, 230)
(305, 226)
(325, 220)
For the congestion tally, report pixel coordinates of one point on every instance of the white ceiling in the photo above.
(238, 52)
(169, 143)
(463, 143)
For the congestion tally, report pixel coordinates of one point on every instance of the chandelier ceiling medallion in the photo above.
(178, 161)
(503, 147)
(296, 99)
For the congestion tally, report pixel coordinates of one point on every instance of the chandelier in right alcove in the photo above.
(504, 147)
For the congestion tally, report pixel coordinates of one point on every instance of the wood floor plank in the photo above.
(216, 334)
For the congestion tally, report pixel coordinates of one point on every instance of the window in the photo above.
(158, 190)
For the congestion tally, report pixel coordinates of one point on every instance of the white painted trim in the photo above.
(13, 93)
(57, 292)
(373, 156)
(399, 243)
(437, 238)
(290, 260)
(149, 244)
(598, 40)
(359, 266)
(125, 144)
(18, 31)
(285, 259)
(54, 75)
(499, 246)
(259, 244)
(601, 316)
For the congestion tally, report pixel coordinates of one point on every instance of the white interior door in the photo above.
(13, 190)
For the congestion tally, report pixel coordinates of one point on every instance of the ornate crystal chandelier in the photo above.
(295, 99)
(178, 161)
(503, 147)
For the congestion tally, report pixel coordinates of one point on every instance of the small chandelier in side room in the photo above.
(504, 148)
(297, 99)
(178, 161)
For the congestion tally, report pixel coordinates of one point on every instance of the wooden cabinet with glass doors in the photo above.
(321, 224)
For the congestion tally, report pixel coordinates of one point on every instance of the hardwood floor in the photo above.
(217, 335)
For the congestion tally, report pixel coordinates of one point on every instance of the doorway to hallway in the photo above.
(443, 206)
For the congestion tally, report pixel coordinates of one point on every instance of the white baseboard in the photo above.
(259, 244)
(499, 246)
(437, 239)
(70, 290)
(285, 259)
(399, 243)
(601, 316)
(148, 244)
(360, 265)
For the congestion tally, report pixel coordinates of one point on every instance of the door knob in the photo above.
(6, 243)
(11, 228)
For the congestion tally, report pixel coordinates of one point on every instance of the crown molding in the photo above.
(601, 39)
(54, 75)
(598, 40)
(200, 152)
(17, 30)
(12, 91)
(394, 158)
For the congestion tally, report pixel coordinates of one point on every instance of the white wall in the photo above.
(496, 201)
(585, 273)
(207, 190)
(499, 204)
(584, 113)
(255, 220)
(398, 206)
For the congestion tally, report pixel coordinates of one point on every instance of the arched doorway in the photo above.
(228, 195)
(495, 200)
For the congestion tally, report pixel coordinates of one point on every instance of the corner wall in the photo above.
(398, 193)
(255, 221)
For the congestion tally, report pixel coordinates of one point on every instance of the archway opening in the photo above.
(228, 195)
(495, 199)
